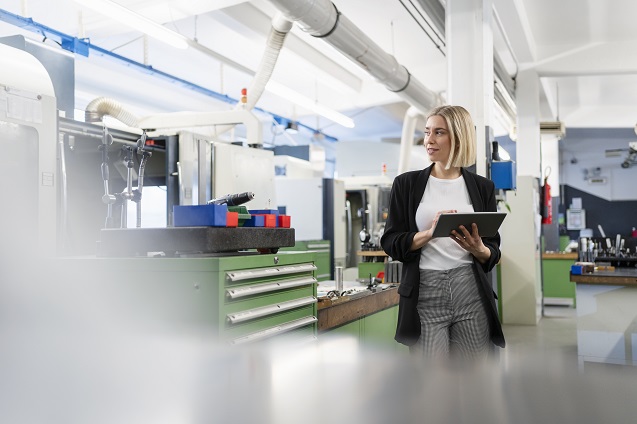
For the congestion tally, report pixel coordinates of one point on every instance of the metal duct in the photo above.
(320, 18)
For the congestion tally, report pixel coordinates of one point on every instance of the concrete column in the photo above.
(469, 40)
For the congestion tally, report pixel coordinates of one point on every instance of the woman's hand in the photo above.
(471, 242)
(423, 237)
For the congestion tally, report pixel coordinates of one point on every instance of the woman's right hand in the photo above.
(423, 237)
(437, 217)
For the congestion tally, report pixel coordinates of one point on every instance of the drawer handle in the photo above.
(249, 314)
(239, 292)
(266, 272)
(322, 246)
(273, 331)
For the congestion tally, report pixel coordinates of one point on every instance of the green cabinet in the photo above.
(322, 251)
(232, 298)
(366, 268)
(380, 328)
(558, 288)
(376, 330)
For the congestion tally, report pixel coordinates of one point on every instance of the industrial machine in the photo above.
(72, 182)
(367, 206)
(28, 122)
(320, 223)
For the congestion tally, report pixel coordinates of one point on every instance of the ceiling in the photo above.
(583, 51)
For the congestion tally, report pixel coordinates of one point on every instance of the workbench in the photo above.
(607, 316)
(621, 276)
(370, 317)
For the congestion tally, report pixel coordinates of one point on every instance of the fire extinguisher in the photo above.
(547, 208)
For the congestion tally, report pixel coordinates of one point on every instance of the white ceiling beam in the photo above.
(597, 58)
(517, 28)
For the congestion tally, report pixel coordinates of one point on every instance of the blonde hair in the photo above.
(462, 134)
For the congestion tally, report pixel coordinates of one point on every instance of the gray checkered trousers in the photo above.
(452, 316)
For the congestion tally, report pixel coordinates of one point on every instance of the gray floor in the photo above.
(555, 333)
(569, 336)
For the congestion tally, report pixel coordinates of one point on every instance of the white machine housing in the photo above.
(28, 128)
(209, 169)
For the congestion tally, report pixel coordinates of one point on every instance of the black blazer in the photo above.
(400, 229)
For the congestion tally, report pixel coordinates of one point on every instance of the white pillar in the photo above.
(469, 40)
(528, 105)
(521, 257)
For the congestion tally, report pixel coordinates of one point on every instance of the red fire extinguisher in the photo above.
(547, 208)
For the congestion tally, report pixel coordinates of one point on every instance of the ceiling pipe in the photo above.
(274, 43)
(102, 106)
(83, 46)
(321, 19)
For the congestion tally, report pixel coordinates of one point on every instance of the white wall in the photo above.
(583, 150)
(551, 160)
(365, 158)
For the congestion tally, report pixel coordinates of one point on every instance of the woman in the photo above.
(447, 305)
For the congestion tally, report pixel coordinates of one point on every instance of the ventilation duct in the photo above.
(553, 128)
(321, 19)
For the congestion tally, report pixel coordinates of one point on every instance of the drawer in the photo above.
(268, 274)
(272, 306)
(271, 325)
(262, 302)
(301, 329)
(247, 291)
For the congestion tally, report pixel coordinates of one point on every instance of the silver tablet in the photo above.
(487, 222)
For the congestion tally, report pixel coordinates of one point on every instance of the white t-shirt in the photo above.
(442, 253)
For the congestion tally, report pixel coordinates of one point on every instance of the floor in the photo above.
(555, 333)
(600, 335)
(576, 365)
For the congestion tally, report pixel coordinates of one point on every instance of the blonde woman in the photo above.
(447, 306)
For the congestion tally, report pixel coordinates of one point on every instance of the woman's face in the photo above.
(437, 139)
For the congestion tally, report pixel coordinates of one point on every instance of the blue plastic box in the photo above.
(503, 174)
(264, 211)
(255, 221)
(200, 216)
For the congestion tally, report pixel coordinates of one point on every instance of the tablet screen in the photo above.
(487, 222)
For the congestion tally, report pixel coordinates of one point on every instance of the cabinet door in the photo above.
(350, 329)
(380, 328)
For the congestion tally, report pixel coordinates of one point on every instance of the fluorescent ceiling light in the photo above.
(309, 104)
(136, 22)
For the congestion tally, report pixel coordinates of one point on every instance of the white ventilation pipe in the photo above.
(320, 18)
(102, 106)
(98, 108)
(279, 30)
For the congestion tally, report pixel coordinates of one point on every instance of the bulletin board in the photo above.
(575, 219)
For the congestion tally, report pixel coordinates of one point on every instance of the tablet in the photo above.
(487, 222)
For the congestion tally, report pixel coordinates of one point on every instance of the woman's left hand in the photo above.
(471, 242)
